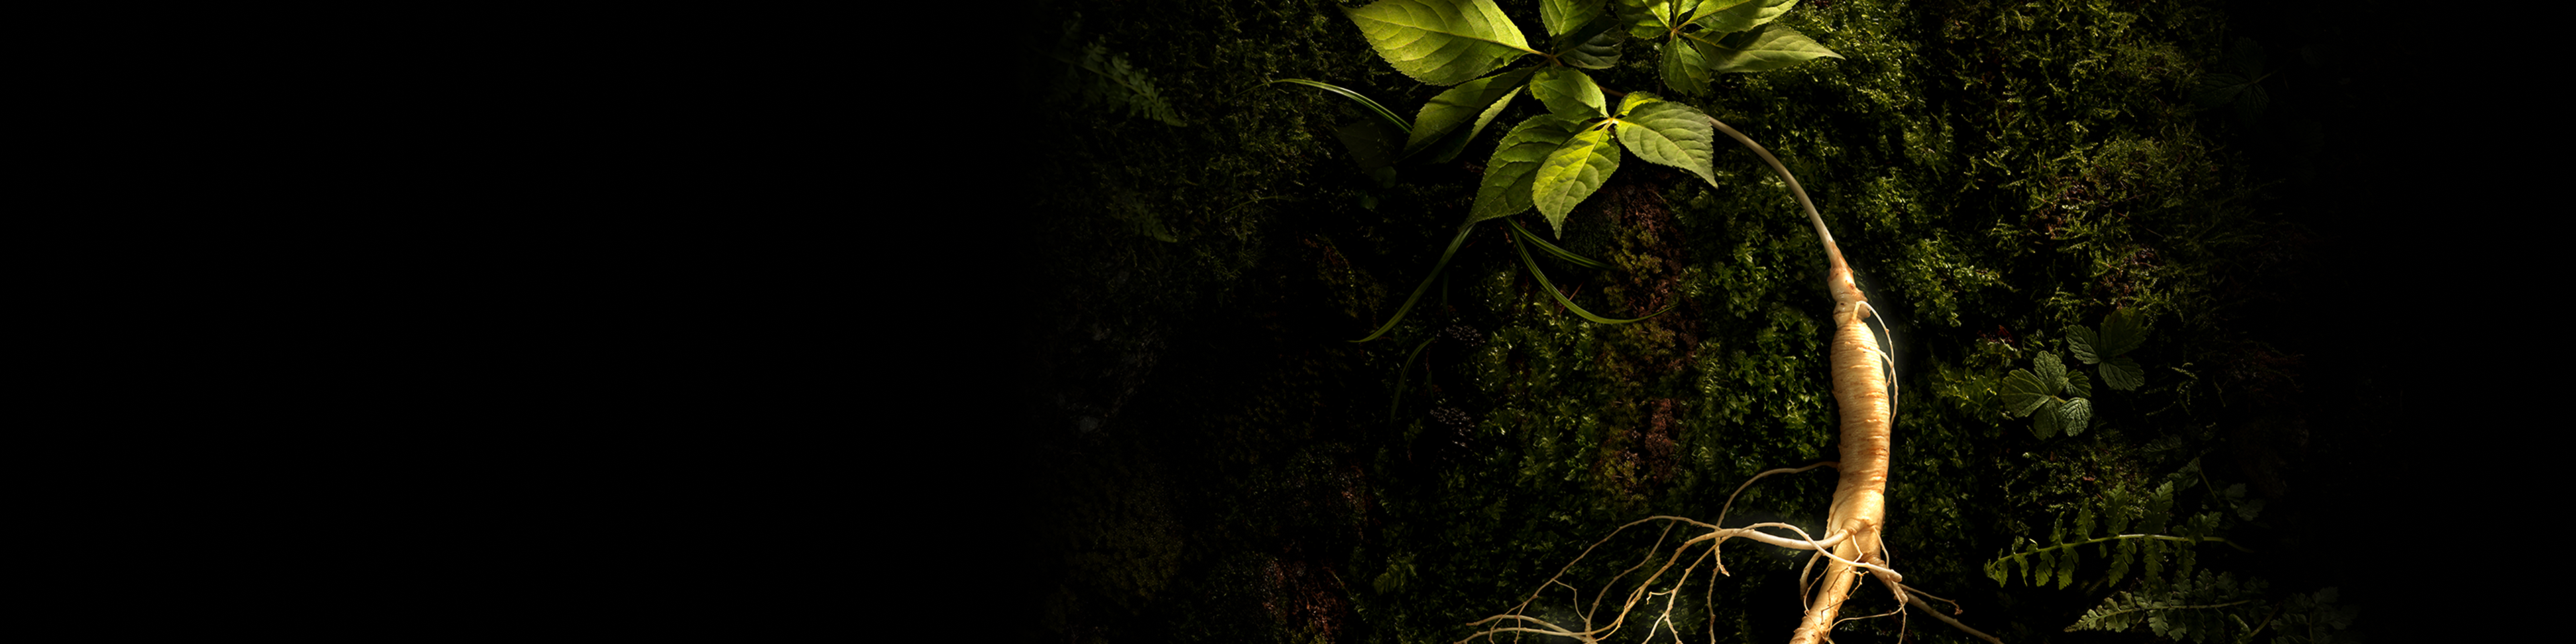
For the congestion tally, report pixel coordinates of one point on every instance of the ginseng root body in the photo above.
(1868, 418)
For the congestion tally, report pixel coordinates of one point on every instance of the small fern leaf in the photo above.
(2041, 567)
(2150, 553)
(2065, 568)
(1119, 84)
(2128, 553)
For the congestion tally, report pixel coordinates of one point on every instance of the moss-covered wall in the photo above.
(1215, 462)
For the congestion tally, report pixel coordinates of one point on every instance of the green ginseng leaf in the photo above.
(1634, 100)
(1592, 46)
(1441, 42)
(1473, 102)
(1564, 16)
(1448, 147)
(1707, 7)
(1513, 170)
(1685, 65)
(1646, 18)
(1742, 15)
(1669, 133)
(1763, 48)
(1570, 93)
(1573, 172)
(2078, 386)
(1672, 12)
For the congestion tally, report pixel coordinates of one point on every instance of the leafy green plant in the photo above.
(2107, 347)
(2059, 399)
(1551, 162)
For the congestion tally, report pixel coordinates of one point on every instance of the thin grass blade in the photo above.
(1560, 253)
(1426, 283)
(1381, 110)
(1532, 264)
(1401, 373)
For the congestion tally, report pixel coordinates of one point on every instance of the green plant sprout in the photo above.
(1553, 161)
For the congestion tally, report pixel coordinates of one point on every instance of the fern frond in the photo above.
(1111, 80)
(1123, 84)
(2191, 608)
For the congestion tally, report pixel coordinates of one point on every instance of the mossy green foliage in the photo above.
(1996, 171)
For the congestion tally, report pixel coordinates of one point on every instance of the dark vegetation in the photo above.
(1209, 459)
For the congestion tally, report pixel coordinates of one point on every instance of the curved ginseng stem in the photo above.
(1833, 255)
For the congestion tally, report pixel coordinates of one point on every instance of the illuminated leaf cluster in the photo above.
(1555, 160)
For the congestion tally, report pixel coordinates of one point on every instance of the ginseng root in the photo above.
(1864, 383)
